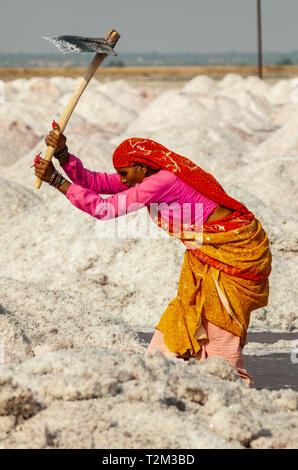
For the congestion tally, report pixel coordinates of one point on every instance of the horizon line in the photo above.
(162, 53)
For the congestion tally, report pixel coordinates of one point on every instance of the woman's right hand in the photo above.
(57, 140)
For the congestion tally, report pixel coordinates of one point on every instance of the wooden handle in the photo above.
(112, 37)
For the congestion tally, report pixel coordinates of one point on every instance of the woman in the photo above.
(227, 259)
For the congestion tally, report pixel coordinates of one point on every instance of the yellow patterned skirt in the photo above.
(224, 299)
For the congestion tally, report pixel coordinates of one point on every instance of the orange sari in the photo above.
(225, 275)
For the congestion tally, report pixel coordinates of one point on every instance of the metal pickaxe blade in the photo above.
(102, 47)
(68, 44)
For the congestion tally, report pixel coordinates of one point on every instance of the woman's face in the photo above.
(132, 175)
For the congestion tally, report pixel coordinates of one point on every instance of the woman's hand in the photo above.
(56, 140)
(44, 169)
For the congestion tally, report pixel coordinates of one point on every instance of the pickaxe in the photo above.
(102, 47)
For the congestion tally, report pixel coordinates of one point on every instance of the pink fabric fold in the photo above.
(176, 199)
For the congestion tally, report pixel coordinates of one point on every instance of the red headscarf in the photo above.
(156, 156)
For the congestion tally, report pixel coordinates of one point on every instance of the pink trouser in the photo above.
(220, 343)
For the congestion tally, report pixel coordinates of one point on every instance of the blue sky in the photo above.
(151, 25)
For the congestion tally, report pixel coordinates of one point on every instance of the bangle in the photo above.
(60, 180)
(57, 179)
(63, 153)
(53, 178)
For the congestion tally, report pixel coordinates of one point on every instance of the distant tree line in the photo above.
(145, 59)
(285, 61)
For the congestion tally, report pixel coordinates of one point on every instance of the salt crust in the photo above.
(108, 399)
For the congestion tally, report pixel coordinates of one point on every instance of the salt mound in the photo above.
(68, 84)
(129, 97)
(282, 230)
(34, 90)
(37, 116)
(85, 128)
(42, 86)
(280, 93)
(260, 349)
(95, 152)
(283, 143)
(281, 311)
(9, 153)
(115, 116)
(35, 320)
(240, 109)
(256, 85)
(283, 114)
(171, 108)
(36, 85)
(253, 110)
(216, 149)
(19, 134)
(230, 80)
(17, 85)
(15, 200)
(121, 104)
(200, 84)
(233, 83)
(167, 404)
(273, 182)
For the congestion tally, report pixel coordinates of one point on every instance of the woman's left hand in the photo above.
(44, 169)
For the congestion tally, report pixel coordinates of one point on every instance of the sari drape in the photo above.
(226, 278)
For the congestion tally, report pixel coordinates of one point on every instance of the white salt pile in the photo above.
(73, 296)
(109, 399)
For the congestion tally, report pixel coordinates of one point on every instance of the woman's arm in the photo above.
(64, 187)
(151, 190)
(109, 208)
(102, 183)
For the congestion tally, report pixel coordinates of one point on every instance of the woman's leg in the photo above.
(222, 343)
(157, 342)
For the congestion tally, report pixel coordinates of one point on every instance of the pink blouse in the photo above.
(174, 199)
